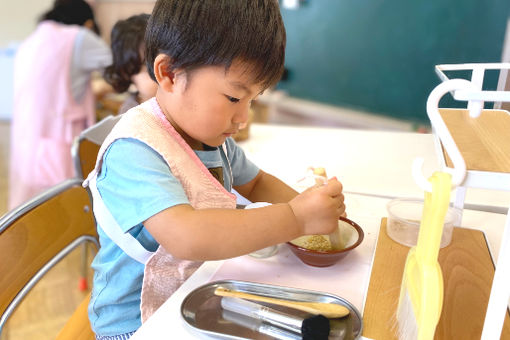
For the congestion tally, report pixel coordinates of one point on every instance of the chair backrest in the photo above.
(86, 146)
(37, 235)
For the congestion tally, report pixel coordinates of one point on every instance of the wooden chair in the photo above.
(86, 146)
(36, 236)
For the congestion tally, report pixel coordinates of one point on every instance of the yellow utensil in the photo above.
(421, 293)
(329, 310)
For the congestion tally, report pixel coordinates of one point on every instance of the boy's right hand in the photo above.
(318, 209)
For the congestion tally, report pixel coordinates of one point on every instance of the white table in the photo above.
(369, 162)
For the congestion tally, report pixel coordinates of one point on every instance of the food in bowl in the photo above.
(315, 250)
(314, 242)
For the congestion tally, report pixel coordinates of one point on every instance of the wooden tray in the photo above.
(467, 274)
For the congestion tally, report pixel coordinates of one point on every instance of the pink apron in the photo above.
(46, 118)
(163, 274)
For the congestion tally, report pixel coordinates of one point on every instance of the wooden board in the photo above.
(483, 141)
(467, 274)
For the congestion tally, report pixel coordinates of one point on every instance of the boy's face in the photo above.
(210, 104)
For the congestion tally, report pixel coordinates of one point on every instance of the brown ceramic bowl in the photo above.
(351, 233)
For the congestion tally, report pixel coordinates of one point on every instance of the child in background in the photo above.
(127, 41)
(164, 175)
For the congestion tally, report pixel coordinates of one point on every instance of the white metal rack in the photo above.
(456, 132)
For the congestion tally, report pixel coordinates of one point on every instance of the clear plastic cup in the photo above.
(404, 216)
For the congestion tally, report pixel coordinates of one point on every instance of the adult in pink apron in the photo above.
(48, 113)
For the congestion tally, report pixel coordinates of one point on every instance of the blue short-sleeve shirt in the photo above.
(135, 183)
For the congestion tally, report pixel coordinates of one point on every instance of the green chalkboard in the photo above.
(379, 55)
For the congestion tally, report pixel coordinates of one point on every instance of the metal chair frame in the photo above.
(22, 219)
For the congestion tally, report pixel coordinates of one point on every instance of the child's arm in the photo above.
(266, 188)
(210, 234)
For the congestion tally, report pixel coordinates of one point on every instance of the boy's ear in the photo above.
(165, 78)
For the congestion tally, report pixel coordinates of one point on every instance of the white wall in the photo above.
(18, 18)
(107, 12)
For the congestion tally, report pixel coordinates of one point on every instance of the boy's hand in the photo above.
(318, 209)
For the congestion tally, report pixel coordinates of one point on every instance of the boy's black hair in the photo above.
(195, 33)
(70, 12)
(127, 40)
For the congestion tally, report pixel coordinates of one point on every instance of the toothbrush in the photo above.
(315, 327)
(259, 326)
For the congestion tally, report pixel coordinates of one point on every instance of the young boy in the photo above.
(165, 172)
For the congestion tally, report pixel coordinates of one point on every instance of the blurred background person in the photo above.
(128, 71)
(53, 98)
